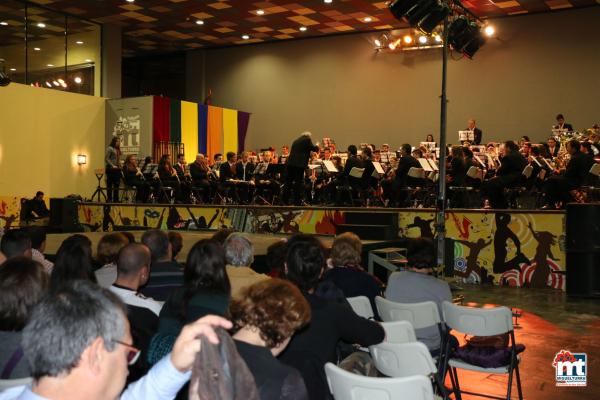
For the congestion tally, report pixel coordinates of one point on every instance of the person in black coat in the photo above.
(477, 134)
(561, 124)
(199, 171)
(508, 175)
(402, 180)
(557, 188)
(227, 172)
(296, 163)
(244, 170)
(311, 348)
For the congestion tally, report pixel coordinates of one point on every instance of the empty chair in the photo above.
(348, 386)
(400, 360)
(361, 306)
(481, 322)
(399, 332)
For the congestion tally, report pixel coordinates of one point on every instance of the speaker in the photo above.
(583, 250)
(63, 215)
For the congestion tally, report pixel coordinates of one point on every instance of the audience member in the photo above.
(73, 261)
(417, 284)
(310, 349)
(347, 273)
(165, 274)
(265, 318)
(15, 243)
(78, 345)
(222, 234)
(176, 241)
(275, 259)
(239, 253)
(23, 283)
(106, 255)
(37, 235)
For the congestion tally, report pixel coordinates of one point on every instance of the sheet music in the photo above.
(466, 136)
(378, 170)
(434, 165)
(425, 165)
(261, 168)
(357, 172)
(329, 166)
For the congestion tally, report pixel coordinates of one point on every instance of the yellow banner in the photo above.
(189, 129)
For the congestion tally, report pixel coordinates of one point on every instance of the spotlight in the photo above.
(36, 49)
(465, 36)
(303, 28)
(50, 65)
(245, 37)
(328, 1)
(260, 12)
(489, 30)
(130, 1)
(79, 42)
(368, 19)
(48, 84)
(423, 39)
(13, 69)
(78, 80)
(88, 60)
(55, 83)
(407, 39)
(4, 23)
(199, 22)
(377, 42)
(434, 17)
(41, 25)
(438, 38)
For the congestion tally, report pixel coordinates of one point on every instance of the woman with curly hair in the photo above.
(266, 317)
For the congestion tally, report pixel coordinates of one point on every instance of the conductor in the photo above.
(296, 163)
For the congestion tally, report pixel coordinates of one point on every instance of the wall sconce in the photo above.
(81, 159)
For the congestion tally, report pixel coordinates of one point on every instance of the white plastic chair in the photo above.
(420, 315)
(348, 386)
(11, 383)
(405, 359)
(361, 306)
(481, 322)
(399, 332)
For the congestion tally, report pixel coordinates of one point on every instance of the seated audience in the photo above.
(265, 319)
(239, 253)
(347, 273)
(106, 255)
(310, 349)
(37, 235)
(36, 207)
(165, 274)
(418, 284)
(23, 283)
(78, 346)
(222, 234)
(73, 262)
(275, 259)
(176, 241)
(15, 243)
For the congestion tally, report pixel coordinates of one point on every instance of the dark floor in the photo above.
(551, 322)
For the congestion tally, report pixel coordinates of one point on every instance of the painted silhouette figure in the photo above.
(201, 224)
(424, 226)
(501, 237)
(474, 250)
(545, 240)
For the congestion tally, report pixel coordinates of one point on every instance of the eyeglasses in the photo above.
(133, 353)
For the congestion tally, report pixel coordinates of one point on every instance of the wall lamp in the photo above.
(81, 159)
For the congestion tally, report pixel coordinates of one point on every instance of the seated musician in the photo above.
(353, 161)
(401, 179)
(561, 124)
(429, 138)
(457, 167)
(133, 176)
(199, 171)
(36, 207)
(184, 178)
(148, 160)
(368, 180)
(538, 164)
(508, 175)
(267, 185)
(557, 189)
(285, 153)
(243, 172)
(227, 178)
(327, 154)
(552, 147)
(168, 176)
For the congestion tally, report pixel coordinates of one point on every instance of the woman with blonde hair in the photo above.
(265, 318)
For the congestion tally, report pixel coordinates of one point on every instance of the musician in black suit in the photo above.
(243, 172)
(402, 180)
(477, 134)
(508, 175)
(558, 187)
(561, 124)
(227, 172)
(296, 163)
(184, 180)
(353, 161)
(199, 172)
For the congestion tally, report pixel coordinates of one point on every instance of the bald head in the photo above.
(132, 258)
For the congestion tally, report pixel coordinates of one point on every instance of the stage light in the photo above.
(399, 8)
(328, 1)
(79, 42)
(392, 46)
(78, 80)
(63, 84)
(48, 84)
(434, 17)
(41, 25)
(199, 22)
(88, 60)
(407, 39)
(465, 36)
(13, 69)
(438, 38)
(50, 65)
(303, 28)
(36, 49)
(423, 39)
(130, 1)
(377, 42)
(368, 19)
(489, 30)
(55, 83)
(4, 23)
(81, 159)
(260, 12)
(245, 37)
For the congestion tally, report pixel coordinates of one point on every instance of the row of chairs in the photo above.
(411, 371)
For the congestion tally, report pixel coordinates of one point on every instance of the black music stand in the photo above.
(100, 191)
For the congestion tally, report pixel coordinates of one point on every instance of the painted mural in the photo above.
(10, 211)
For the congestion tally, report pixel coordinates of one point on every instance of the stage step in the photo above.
(372, 218)
(370, 232)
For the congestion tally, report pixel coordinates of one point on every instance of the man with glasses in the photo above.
(78, 346)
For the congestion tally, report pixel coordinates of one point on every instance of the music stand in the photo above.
(356, 172)
(466, 136)
(276, 169)
(378, 172)
(100, 191)
(425, 164)
(260, 169)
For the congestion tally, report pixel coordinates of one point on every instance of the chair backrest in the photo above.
(478, 321)
(402, 359)
(399, 332)
(527, 171)
(361, 306)
(595, 170)
(348, 386)
(418, 173)
(10, 383)
(420, 315)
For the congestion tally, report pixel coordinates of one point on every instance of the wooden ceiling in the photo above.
(161, 26)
